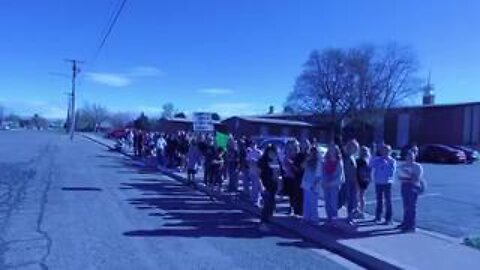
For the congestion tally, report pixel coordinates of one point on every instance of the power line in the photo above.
(116, 11)
(114, 7)
(112, 22)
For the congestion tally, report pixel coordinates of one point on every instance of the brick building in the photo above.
(268, 126)
(444, 124)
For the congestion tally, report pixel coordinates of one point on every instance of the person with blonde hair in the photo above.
(332, 179)
(351, 182)
(364, 175)
(311, 185)
(410, 175)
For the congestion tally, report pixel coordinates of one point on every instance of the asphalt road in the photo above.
(451, 203)
(67, 205)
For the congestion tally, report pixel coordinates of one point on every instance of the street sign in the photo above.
(202, 122)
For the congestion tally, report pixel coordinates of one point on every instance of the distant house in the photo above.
(258, 126)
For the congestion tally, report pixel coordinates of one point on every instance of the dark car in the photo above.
(471, 154)
(117, 134)
(438, 153)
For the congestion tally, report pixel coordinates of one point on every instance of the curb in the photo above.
(310, 233)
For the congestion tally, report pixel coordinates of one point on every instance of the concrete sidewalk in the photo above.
(369, 245)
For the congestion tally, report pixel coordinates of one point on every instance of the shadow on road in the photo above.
(81, 189)
(186, 213)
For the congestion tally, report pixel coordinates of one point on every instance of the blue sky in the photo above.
(234, 57)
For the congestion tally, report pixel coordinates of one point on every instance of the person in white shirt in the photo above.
(160, 150)
(410, 174)
(383, 168)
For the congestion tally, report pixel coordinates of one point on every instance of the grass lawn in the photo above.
(473, 242)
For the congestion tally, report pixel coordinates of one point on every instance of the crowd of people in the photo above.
(300, 171)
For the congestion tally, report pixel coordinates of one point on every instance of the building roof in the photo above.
(279, 115)
(184, 120)
(273, 121)
(393, 109)
(437, 106)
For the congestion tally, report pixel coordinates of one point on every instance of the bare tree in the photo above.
(91, 116)
(39, 122)
(168, 110)
(324, 87)
(100, 115)
(120, 120)
(356, 82)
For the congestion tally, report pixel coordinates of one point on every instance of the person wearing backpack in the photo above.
(410, 175)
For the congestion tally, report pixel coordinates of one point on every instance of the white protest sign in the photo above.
(202, 122)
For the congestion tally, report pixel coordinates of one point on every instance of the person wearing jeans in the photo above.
(311, 185)
(332, 178)
(383, 168)
(411, 176)
(384, 198)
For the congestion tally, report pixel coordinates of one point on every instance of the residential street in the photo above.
(67, 205)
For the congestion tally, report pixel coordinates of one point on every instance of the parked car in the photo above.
(117, 134)
(471, 154)
(438, 153)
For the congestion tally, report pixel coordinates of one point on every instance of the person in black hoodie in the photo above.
(298, 170)
(209, 156)
(270, 173)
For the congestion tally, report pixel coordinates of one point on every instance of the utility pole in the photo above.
(69, 112)
(75, 71)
